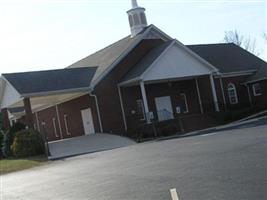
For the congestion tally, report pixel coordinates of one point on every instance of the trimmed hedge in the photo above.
(27, 143)
(8, 138)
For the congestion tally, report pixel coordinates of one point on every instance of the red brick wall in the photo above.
(173, 89)
(260, 100)
(107, 91)
(206, 93)
(243, 98)
(72, 109)
(47, 130)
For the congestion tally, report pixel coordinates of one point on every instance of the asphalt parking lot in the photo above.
(230, 164)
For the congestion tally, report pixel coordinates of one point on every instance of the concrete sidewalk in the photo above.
(86, 144)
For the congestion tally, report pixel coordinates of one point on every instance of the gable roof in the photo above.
(176, 65)
(145, 62)
(228, 57)
(108, 57)
(37, 82)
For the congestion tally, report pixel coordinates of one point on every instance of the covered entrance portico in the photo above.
(168, 82)
(56, 104)
(163, 100)
(48, 115)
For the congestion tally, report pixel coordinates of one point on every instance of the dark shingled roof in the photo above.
(259, 75)
(228, 57)
(104, 58)
(146, 61)
(51, 80)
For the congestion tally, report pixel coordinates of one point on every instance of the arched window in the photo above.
(232, 94)
(131, 20)
(143, 18)
(136, 19)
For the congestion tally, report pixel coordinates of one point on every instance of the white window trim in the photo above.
(55, 128)
(254, 90)
(235, 93)
(186, 105)
(143, 109)
(66, 124)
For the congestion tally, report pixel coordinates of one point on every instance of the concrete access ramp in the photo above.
(86, 144)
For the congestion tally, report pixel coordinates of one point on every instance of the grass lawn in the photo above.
(12, 165)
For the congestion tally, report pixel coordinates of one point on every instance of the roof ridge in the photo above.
(49, 70)
(219, 43)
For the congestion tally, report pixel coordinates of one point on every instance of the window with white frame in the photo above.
(66, 124)
(184, 105)
(232, 94)
(55, 127)
(256, 89)
(140, 109)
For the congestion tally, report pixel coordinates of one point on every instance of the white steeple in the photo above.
(134, 4)
(137, 18)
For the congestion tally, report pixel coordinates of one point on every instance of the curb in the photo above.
(212, 129)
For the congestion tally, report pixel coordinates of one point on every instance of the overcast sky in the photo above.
(49, 34)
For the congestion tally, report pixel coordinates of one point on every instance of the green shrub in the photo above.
(1, 142)
(8, 138)
(27, 143)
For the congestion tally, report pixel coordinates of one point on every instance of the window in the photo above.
(136, 19)
(66, 124)
(131, 20)
(232, 94)
(184, 106)
(55, 127)
(140, 109)
(256, 89)
(143, 18)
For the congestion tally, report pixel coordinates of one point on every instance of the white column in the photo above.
(199, 97)
(143, 92)
(223, 95)
(59, 123)
(122, 108)
(215, 100)
(37, 121)
(249, 95)
(97, 110)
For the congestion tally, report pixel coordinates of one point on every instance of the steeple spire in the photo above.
(134, 4)
(137, 18)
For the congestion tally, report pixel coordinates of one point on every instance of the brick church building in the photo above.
(143, 78)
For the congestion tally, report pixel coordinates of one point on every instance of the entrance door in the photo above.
(164, 108)
(88, 123)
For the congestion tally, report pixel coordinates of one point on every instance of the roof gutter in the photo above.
(48, 93)
(256, 80)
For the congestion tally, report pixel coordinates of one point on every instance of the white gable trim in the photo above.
(210, 68)
(155, 61)
(163, 35)
(9, 94)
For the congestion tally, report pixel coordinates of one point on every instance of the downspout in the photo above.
(223, 94)
(97, 110)
(122, 109)
(249, 95)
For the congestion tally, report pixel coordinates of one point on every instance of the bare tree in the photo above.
(247, 43)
